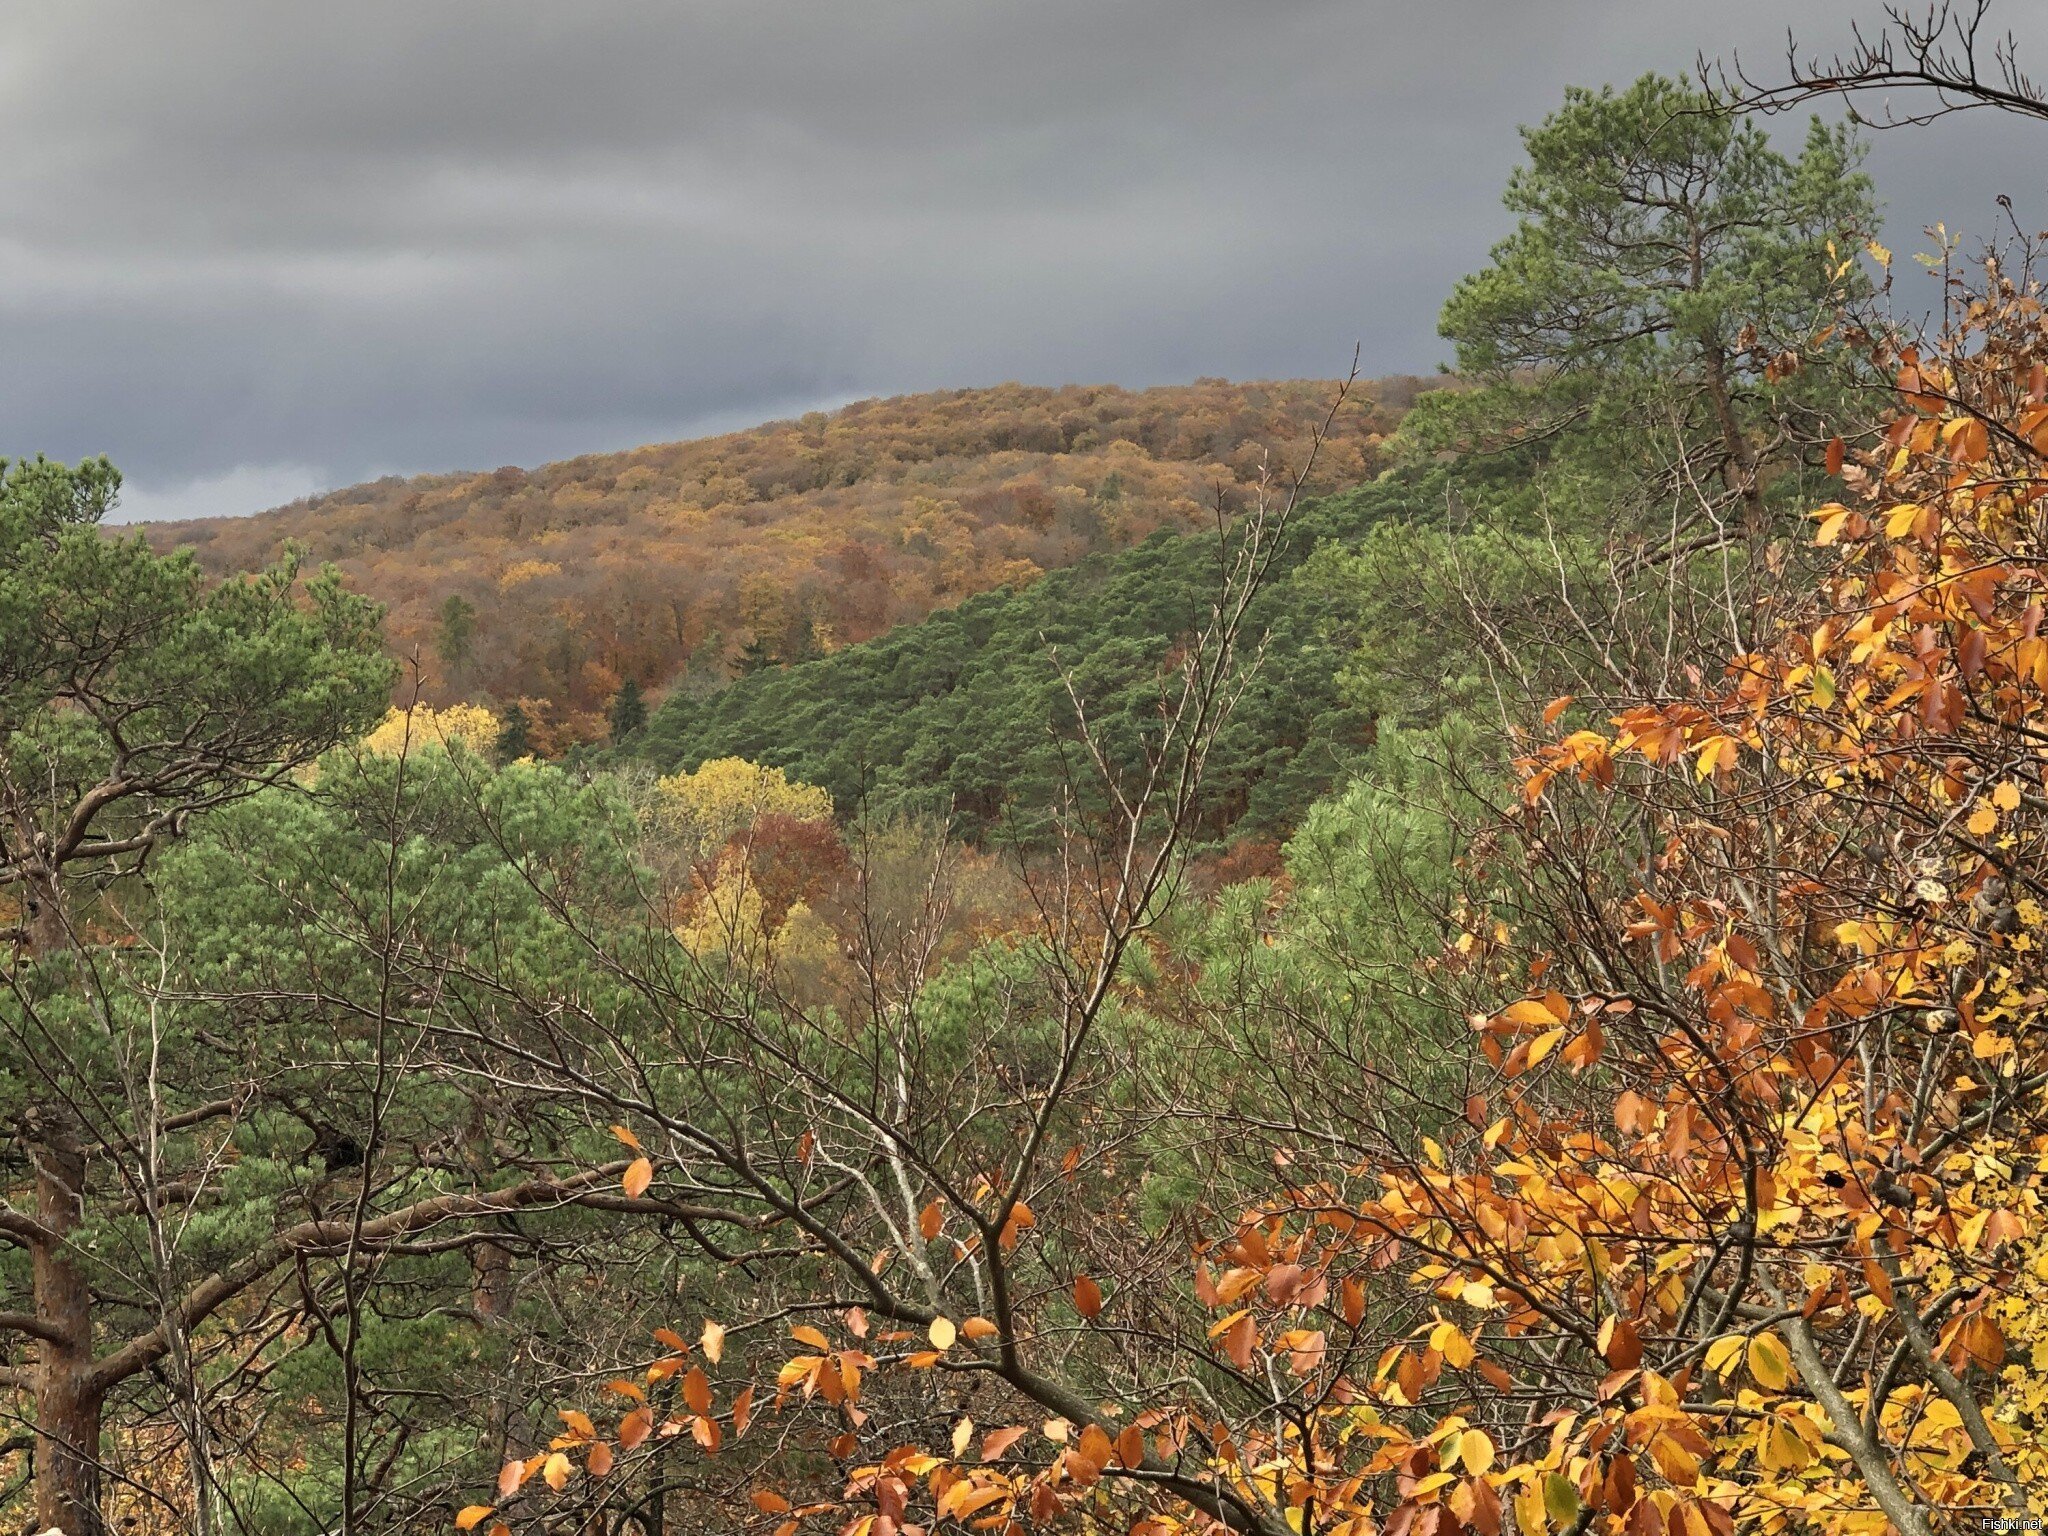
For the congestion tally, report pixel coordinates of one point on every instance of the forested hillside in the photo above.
(688, 563)
(967, 716)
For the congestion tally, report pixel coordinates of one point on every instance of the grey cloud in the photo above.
(247, 243)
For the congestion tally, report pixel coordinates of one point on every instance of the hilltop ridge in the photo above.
(681, 565)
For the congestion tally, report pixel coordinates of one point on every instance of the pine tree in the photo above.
(629, 710)
(516, 739)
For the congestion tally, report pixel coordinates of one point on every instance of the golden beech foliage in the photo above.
(707, 807)
(1741, 1226)
(408, 730)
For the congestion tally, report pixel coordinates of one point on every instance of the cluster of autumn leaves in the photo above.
(1741, 1220)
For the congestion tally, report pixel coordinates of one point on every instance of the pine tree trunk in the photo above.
(67, 1399)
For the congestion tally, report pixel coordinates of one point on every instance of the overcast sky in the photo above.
(252, 249)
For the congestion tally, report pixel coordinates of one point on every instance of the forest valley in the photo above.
(1484, 980)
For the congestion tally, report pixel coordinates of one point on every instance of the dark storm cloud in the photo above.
(264, 247)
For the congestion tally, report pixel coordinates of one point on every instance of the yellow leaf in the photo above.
(1769, 1363)
(942, 1333)
(963, 1436)
(1530, 1011)
(804, 1333)
(1560, 1500)
(1782, 1450)
(1450, 1342)
(713, 1341)
(1724, 1355)
(1983, 821)
(1543, 1045)
(557, 1471)
(1475, 1450)
(2007, 796)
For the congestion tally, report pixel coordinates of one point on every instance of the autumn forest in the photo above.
(1378, 956)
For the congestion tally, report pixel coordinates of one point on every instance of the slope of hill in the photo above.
(961, 714)
(683, 564)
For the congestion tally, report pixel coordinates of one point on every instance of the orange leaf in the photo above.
(471, 1517)
(1020, 1218)
(1095, 1446)
(998, 1441)
(768, 1501)
(929, 1220)
(639, 1174)
(627, 1137)
(1130, 1446)
(1238, 1341)
(1087, 1298)
(697, 1390)
(636, 1427)
(599, 1461)
(1619, 1344)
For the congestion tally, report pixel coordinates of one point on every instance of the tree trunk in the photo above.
(67, 1399)
(1739, 470)
(48, 932)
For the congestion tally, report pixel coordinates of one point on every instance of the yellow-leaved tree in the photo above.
(704, 809)
(410, 729)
